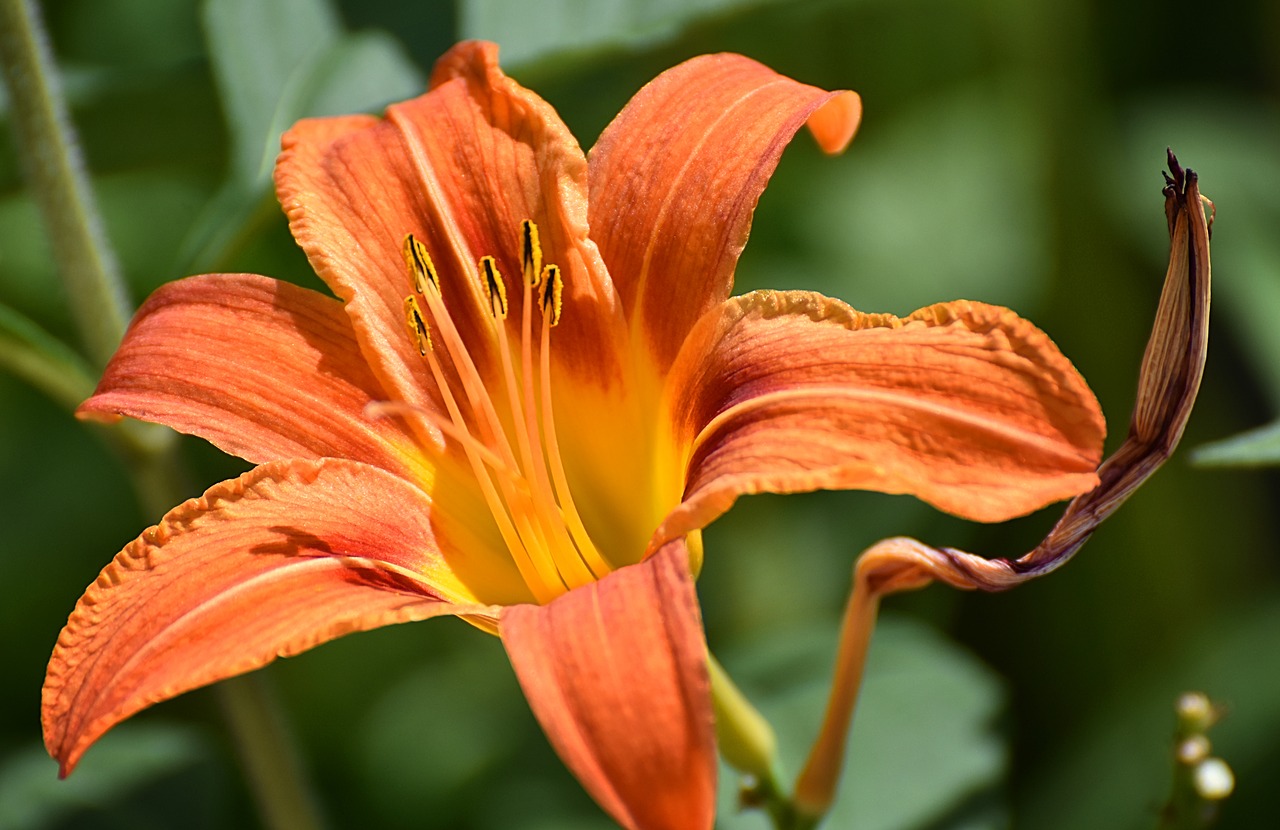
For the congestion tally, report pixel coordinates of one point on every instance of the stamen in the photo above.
(472, 384)
(417, 325)
(421, 268)
(530, 252)
(552, 289)
(544, 511)
(528, 552)
(519, 408)
(537, 571)
(387, 409)
(495, 290)
(529, 498)
(582, 540)
(528, 406)
(529, 536)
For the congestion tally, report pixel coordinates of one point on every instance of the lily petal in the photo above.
(288, 556)
(964, 405)
(460, 168)
(616, 674)
(260, 368)
(676, 177)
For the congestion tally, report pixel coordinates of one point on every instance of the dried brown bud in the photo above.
(1168, 382)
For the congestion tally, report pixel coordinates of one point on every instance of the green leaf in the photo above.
(439, 729)
(361, 72)
(908, 217)
(922, 743)
(1121, 757)
(277, 63)
(39, 358)
(128, 758)
(261, 55)
(533, 31)
(1255, 448)
(281, 61)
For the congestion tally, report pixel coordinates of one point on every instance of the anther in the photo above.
(420, 265)
(417, 325)
(495, 289)
(530, 252)
(552, 289)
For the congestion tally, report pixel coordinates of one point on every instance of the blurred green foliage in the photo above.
(1010, 153)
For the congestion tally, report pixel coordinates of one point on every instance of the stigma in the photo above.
(508, 433)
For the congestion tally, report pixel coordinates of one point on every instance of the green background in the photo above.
(1010, 152)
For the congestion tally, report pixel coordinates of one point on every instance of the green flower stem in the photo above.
(263, 743)
(745, 738)
(747, 743)
(99, 305)
(58, 183)
(267, 751)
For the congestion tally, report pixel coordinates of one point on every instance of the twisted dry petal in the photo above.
(616, 674)
(260, 368)
(286, 557)
(676, 176)
(963, 405)
(460, 168)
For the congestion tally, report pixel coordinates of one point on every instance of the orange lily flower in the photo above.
(531, 393)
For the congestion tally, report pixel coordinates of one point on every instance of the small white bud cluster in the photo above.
(1211, 777)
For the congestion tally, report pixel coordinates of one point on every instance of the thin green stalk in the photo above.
(60, 188)
(267, 750)
(262, 740)
(257, 728)
(747, 743)
(272, 768)
(56, 175)
(745, 738)
(32, 354)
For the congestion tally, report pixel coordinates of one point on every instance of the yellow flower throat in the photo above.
(524, 486)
